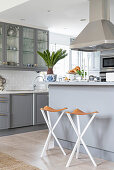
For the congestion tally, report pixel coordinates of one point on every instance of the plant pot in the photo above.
(50, 71)
(50, 77)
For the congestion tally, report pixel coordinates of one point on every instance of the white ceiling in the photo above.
(5, 4)
(64, 17)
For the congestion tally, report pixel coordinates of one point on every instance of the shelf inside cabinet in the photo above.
(42, 49)
(12, 37)
(42, 41)
(12, 50)
(28, 52)
(30, 39)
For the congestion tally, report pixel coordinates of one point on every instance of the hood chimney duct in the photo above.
(99, 10)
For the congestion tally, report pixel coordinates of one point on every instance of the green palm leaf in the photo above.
(52, 59)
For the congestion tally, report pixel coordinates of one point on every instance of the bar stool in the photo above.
(78, 112)
(51, 129)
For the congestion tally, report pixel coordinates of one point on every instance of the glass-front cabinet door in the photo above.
(12, 47)
(1, 42)
(42, 45)
(28, 47)
(19, 46)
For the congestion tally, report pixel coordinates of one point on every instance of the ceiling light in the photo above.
(49, 11)
(83, 19)
(22, 19)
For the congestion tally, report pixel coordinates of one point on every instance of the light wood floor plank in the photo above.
(27, 147)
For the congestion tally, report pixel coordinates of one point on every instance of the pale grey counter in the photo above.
(87, 96)
(22, 91)
(82, 83)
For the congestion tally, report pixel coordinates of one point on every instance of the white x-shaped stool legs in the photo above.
(79, 135)
(51, 129)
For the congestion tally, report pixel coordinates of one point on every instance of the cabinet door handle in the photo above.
(3, 101)
(21, 94)
(3, 114)
(4, 98)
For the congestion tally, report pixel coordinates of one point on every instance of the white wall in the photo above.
(59, 39)
(18, 80)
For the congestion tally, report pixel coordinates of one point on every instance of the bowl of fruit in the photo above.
(77, 71)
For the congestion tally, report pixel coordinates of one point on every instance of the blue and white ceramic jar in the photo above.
(50, 77)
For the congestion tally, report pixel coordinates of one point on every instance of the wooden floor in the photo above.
(27, 147)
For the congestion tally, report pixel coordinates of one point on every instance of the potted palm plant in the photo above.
(51, 59)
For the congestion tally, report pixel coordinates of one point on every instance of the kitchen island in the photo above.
(87, 96)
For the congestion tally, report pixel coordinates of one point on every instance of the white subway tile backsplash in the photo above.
(18, 80)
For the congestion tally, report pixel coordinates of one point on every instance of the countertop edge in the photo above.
(23, 92)
(81, 84)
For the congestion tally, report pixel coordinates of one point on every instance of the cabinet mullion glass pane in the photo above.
(1, 39)
(28, 47)
(42, 45)
(12, 45)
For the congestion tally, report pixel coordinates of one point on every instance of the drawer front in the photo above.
(4, 96)
(4, 104)
(4, 121)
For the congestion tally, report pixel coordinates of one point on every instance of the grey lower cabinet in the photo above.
(21, 110)
(4, 111)
(41, 100)
(16, 110)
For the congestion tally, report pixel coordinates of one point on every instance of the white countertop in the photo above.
(81, 83)
(73, 83)
(22, 91)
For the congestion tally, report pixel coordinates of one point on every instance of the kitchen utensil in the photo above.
(91, 78)
(97, 79)
(11, 63)
(11, 31)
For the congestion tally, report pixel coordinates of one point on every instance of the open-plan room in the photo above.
(56, 84)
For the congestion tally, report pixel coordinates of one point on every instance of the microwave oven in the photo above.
(107, 64)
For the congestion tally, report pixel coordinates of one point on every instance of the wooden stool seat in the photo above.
(80, 112)
(47, 108)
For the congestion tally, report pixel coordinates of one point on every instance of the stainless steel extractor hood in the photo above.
(98, 35)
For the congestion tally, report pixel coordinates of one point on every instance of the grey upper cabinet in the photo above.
(19, 46)
(1, 43)
(12, 47)
(42, 43)
(21, 110)
(4, 111)
(28, 47)
(41, 100)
